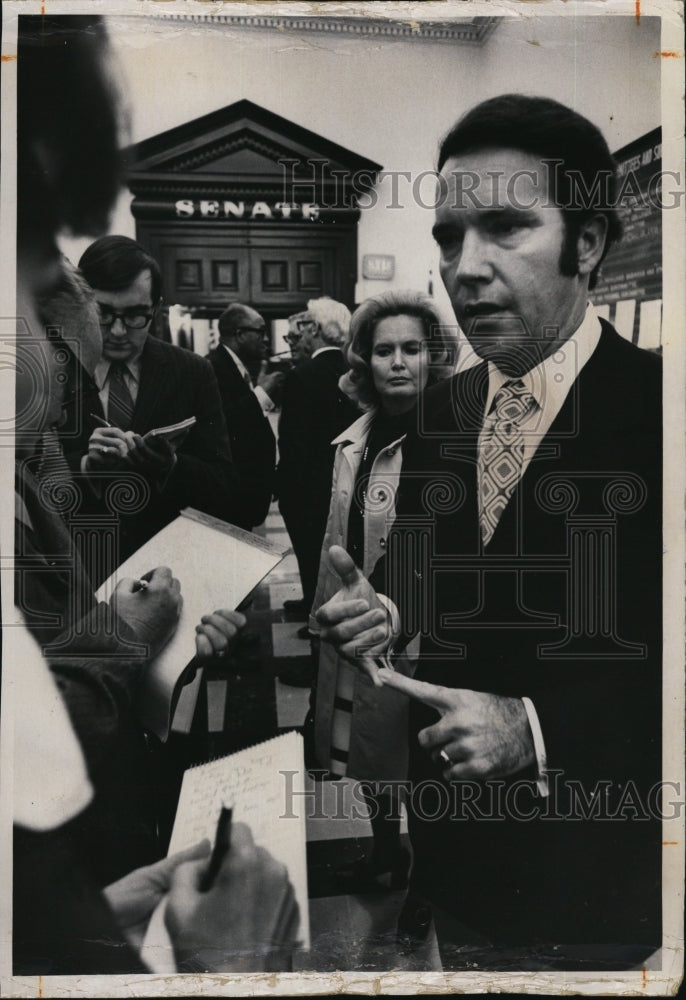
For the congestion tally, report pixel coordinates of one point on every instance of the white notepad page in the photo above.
(217, 565)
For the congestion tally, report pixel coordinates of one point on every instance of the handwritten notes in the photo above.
(265, 786)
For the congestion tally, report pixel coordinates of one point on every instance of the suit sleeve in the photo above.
(98, 688)
(204, 475)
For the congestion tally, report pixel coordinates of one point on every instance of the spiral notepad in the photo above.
(265, 784)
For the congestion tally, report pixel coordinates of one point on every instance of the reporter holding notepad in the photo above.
(62, 922)
(140, 384)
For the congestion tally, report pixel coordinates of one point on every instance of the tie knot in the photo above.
(117, 369)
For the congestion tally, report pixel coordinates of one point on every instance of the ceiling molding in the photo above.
(468, 30)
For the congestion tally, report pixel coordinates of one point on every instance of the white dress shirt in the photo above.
(549, 382)
(262, 397)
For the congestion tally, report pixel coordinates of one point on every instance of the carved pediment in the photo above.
(242, 149)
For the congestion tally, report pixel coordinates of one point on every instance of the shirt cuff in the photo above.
(263, 399)
(539, 747)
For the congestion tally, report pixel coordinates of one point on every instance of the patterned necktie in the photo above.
(120, 401)
(501, 452)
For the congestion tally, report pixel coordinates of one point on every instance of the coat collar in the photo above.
(357, 431)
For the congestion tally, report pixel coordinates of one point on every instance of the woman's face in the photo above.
(399, 362)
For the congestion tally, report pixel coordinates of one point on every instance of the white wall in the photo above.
(389, 100)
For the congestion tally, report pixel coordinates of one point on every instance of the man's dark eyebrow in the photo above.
(442, 229)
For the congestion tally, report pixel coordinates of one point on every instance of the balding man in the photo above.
(245, 395)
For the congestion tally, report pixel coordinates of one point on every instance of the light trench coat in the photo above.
(378, 735)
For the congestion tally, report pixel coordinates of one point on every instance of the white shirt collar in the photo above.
(320, 350)
(551, 380)
(238, 363)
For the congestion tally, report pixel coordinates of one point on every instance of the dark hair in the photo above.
(358, 382)
(231, 318)
(69, 117)
(112, 263)
(581, 170)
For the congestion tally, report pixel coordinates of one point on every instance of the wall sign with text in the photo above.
(629, 289)
(378, 266)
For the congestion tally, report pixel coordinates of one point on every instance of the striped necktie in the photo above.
(52, 464)
(501, 452)
(120, 401)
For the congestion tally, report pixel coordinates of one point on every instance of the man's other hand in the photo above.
(153, 613)
(216, 631)
(272, 384)
(355, 621)
(246, 922)
(482, 735)
(154, 457)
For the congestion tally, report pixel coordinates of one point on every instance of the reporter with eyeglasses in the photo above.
(142, 383)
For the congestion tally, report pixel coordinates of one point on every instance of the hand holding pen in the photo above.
(246, 921)
(107, 445)
(150, 606)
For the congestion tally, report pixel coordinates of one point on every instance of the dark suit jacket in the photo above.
(578, 549)
(313, 412)
(175, 384)
(97, 666)
(253, 446)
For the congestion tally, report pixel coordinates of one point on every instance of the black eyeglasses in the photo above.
(292, 338)
(132, 320)
(305, 324)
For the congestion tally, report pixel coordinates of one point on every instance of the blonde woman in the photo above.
(397, 348)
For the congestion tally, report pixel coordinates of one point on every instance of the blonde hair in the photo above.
(358, 383)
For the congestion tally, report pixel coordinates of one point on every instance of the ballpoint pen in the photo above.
(222, 845)
(100, 421)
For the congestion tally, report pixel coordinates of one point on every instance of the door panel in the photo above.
(276, 268)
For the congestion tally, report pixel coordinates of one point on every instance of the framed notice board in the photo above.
(629, 289)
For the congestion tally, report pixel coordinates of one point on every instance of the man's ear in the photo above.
(591, 243)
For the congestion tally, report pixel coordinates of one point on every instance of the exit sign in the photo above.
(378, 266)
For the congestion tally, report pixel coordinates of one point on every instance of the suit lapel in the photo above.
(154, 375)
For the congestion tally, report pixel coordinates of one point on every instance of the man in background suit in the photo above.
(237, 364)
(535, 485)
(142, 383)
(313, 412)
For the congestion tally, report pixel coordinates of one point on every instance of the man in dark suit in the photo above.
(142, 383)
(313, 412)
(527, 551)
(245, 396)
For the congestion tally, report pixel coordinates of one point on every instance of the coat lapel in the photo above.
(154, 375)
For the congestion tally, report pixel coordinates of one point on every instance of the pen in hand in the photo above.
(100, 421)
(222, 845)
